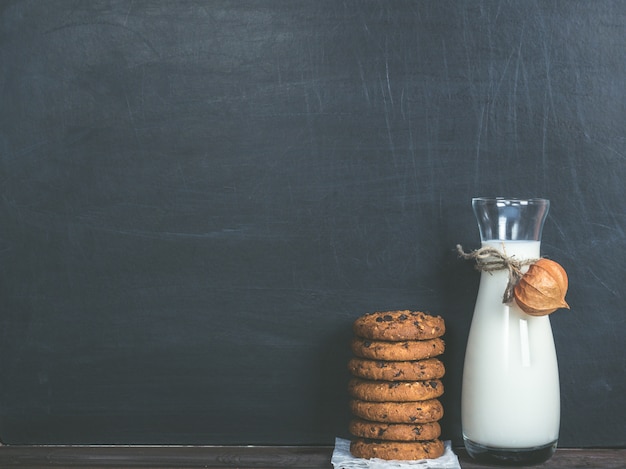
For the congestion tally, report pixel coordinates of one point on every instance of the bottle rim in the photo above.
(504, 201)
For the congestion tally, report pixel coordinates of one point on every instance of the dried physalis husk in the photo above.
(542, 289)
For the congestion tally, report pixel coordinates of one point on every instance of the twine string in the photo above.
(489, 259)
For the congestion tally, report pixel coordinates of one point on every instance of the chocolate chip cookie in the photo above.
(394, 391)
(397, 450)
(430, 368)
(398, 412)
(397, 350)
(395, 431)
(399, 326)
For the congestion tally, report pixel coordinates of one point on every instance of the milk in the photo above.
(510, 396)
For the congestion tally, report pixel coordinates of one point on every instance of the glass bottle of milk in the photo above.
(510, 403)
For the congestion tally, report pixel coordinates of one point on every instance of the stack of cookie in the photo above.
(396, 385)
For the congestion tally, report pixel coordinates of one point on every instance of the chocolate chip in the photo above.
(403, 317)
(381, 364)
(393, 385)
(366, 343)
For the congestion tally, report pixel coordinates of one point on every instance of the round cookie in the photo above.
(397, 350)
(430, 368)
(394, 391)
(399, 325)
(398, 412)
(395, 431)
(397, 450)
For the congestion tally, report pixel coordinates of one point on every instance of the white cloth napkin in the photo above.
(343, 459)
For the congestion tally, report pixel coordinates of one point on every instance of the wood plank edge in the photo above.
(165, 456)
(257, 457)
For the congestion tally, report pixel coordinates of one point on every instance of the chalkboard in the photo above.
(198, 198)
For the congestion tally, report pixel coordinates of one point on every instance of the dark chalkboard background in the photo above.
(197, 199)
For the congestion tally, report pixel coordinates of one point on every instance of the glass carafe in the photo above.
(510, 404)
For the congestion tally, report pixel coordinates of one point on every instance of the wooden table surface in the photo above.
(244, 457)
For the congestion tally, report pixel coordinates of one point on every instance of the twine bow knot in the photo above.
(489, 259)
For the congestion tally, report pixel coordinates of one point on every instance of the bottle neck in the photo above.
(521, 250)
